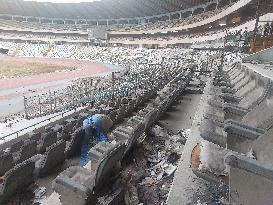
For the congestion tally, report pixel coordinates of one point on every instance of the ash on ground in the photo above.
(149, 170)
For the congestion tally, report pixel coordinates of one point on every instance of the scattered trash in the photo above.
(148, 195)
(131, 195)
(170, 170)
(39, 195)
(155, 161)
(116, 196)
(173, 157)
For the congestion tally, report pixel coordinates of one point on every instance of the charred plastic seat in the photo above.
(16, 179)
(78, 185)
(14, 148)
(6, 163)
(149, 114)
(73, 147)
(128, 134)
(47, 140)
(35, 136)
(58, 128)
(66, 132)
(28, 150)
(53, 157)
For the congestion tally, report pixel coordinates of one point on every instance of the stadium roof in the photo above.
(104, 9)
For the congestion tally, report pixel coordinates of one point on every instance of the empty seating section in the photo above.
(237, 149)
(44, 151)
(26, 50)
(83, 184)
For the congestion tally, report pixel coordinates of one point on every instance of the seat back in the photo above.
(256, 94)
(74, 145)
(35, 136)
(16, 146)
(6, 163)
(28, 150)
(244, 81)
(137, 131)
(109, 165)
(263, 148)
(249, 188)
(48, 139)
(262, 115)
(54, 156)
(18, 178)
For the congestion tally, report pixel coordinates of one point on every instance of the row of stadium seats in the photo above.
(236, 149)
(83, 185)
(40, 152)
(175, 22)
(32, 26)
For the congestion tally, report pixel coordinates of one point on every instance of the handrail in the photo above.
(16, 132)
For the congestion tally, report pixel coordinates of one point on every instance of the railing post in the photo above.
(113, 86)
(55, 100)
(40, 105)
(26, 108)
(72, 94)
(50, 99)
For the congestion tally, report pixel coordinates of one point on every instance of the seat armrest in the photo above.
(235, 160)
(235, 128)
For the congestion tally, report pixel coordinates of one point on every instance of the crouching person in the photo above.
(96, 128)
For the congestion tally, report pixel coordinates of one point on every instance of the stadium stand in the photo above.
(167, 50)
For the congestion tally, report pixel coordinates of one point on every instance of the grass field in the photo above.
(9, 68)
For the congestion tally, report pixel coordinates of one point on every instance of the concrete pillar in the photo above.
(180, 15)
(107, 22)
